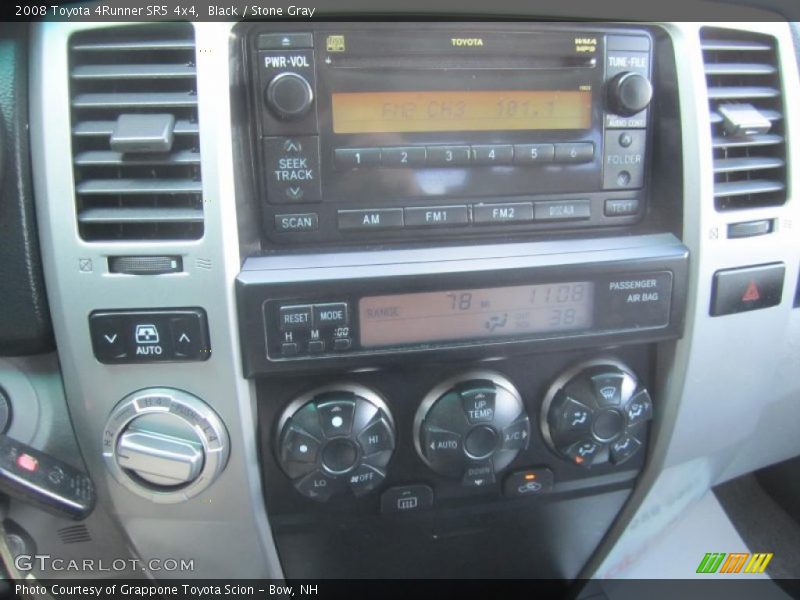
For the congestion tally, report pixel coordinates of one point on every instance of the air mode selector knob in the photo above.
(289, 95)
(335, 438)
(629, 93)
(596, 413)
(472, 427)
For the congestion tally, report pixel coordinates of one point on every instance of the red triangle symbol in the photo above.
(751, 293)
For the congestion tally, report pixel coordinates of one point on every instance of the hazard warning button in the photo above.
(747, 288)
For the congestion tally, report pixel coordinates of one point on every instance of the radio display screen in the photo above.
(405, 112)
(430, 317)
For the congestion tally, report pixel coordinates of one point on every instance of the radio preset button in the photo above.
(297, 222)
(295, 318)
(562, 210)
(448, 156)
(354, 158)
(292, 169)
(574, 152)
(405, 156)
(529, 154)
(493, 154)
(329, 315)
(493, 214)
(436, 216)
(377, 218)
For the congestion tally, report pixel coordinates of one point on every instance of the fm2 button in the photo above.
(292, 169)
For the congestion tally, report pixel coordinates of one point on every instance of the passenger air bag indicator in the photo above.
(634, 301)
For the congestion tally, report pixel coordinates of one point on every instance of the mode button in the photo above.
(329, 315)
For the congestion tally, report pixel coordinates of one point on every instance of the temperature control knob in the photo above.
(629, 93)
(596, 412)
(164, 444)
(336, 438)
(472, 427)
(289, 95)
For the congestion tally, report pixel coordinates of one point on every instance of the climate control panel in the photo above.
(335, 439)
(472, 427)
(595, 413)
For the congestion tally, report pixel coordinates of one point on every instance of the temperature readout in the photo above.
(429, 317)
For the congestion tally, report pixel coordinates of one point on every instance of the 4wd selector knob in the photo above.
(596, 412)
(629, 93)
(471, 427)
(165, 444)
(289, 95)
(335, 438)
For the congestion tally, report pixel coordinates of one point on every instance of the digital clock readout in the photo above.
(430, 317)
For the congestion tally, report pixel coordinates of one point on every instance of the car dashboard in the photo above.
(324, 299)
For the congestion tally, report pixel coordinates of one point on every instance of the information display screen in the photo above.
(401, 112)
(430, 317)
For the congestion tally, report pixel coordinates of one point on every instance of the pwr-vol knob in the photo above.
(335, 439)
(595, 413)
(472, 427)
(289, 95)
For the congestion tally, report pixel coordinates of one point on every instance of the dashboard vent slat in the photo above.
(95, 72)
(141, 194)
(746, 118)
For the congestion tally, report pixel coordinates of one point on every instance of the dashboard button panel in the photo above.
(142, 336)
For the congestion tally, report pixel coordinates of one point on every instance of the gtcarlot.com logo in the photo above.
(44, 562)
(734, 562)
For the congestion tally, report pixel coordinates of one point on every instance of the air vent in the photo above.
(744, 95)
(135, 138)
(75, 534)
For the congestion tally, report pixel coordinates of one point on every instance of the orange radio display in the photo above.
(405, 112)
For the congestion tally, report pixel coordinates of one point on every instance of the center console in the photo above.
(464, 266)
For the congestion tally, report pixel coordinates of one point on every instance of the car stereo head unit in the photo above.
(368, 132)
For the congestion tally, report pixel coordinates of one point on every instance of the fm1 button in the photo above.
(336, 417)
(407, 498)
(530, 482)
